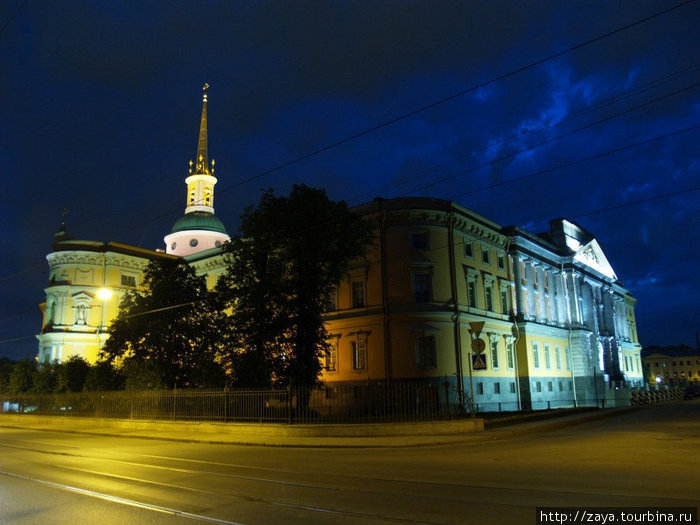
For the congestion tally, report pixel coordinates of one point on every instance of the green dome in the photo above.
(199, 220)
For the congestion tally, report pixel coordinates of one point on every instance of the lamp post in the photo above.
(104, 294)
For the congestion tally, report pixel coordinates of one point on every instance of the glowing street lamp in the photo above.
(104, 294)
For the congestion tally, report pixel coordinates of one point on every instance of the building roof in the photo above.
(670, 351)
(199, 220)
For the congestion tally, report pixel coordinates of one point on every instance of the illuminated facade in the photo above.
(555, 325)
(672, 366)
(499, 316)
(75, 317)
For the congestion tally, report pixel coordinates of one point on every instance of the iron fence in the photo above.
(335, 403)
(338, 403)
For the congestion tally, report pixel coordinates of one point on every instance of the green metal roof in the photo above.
(199, 220)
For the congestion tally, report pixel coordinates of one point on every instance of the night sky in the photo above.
(520, 111)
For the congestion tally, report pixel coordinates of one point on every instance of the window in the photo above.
(421, 286)
(427, 353)
(332, 300)
(485, 255)
(627, 364)
(419, 241)
(557, 356)
(488, 295)
(470, 276)
(535, 355)
(512, 387)
(547, 357)
(538, 386)
(497, 388)
(480, 388)
(561, 386)
(332, 355)
(494, 354)
(471, 293)
(129, 280)
(550, 386)
(567, 357)
(501, 261)
(469, 249)
(505, 303)
(358, 294)
(359, 354)
(510, 359)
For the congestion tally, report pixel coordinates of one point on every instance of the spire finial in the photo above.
(202, 162)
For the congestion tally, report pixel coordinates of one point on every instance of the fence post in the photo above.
(289, 404)
(447, 397)
(226, 408)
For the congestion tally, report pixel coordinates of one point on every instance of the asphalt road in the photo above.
(643, 458)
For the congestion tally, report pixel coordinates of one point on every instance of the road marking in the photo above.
(121, 501)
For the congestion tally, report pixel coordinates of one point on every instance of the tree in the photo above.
(71, 375)
(104, 376)
(168, 328)
(282, 273)
(252, 289)
(22, 377)
(5, 373)
(45, 379)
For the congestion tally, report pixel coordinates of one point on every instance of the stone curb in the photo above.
(399, 435)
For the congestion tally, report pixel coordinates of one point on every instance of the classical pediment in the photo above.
(592, 256)
(82, 296)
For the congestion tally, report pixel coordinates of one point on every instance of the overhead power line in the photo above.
(454, 96)
(435, 103)
(577, 161)
(555, 138)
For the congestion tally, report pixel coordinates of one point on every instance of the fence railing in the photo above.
(330, 404)
(336, 403)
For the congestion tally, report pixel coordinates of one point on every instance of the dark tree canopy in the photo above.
(282, 273)
(168, 328)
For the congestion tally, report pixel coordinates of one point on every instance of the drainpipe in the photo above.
(386, 326)
(456, 311)
(570, 360)
(514, 304)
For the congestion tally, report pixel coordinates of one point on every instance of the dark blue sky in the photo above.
(100, 106)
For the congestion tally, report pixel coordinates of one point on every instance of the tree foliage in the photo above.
(104, 376)
(282, 273)
(22, 376)
(5, 373)
(167, 328)
(71, 375)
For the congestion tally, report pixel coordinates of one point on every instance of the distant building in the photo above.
(672, 365)
(497, 315)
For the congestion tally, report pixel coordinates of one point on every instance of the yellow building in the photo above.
(82, 274)
(672, 366)
(504, 317)
(500, 317)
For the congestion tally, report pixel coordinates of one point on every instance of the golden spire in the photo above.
(202, 160)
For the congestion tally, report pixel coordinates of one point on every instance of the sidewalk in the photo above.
(326, 436)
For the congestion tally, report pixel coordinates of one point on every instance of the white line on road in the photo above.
(121, 501)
